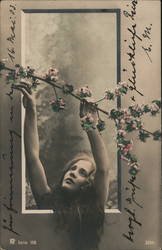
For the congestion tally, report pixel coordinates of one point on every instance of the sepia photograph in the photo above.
(83, 49)
(80, 110)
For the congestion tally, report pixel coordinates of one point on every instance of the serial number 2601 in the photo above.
(149, 242)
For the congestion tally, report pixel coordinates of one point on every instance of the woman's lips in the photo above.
(69, 181)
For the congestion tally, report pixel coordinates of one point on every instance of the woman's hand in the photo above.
(89, 108)
(28, 95)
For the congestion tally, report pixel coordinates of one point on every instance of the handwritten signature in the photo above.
(144, 40)
(12, 36)
(132, 200)
(136, 42)
(132, 222)
(8, 223)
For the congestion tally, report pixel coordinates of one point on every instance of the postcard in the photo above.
(80, 125)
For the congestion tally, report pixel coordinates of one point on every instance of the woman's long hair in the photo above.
(79, 213)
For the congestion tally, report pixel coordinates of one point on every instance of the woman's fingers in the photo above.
(89, 99)
(90, 105)
(24, 89)
(24, 86)
(87, 105)
(28, 98)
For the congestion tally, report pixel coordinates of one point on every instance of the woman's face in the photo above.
(77, 175)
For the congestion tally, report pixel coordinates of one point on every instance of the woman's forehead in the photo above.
(84, 164)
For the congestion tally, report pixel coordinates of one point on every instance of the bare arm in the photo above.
(102, 165)
(36, 171)
(100, 156)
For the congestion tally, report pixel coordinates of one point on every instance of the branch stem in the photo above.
(100, 100)
(148, 132)
(54, 85)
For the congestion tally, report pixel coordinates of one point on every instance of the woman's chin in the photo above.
(68, 187)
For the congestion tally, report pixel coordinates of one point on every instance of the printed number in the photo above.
(33, 242)
(149, 242)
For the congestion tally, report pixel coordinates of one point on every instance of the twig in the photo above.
(54, 85)
(148, 132)
(100, 100)
(55, 92)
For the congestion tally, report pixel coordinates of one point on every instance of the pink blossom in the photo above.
(123, 84)
(122, 121)
(117, 92)
(122, 132)
(45, 75)
(134, 165)
(109, 95)
(134, 124)
(87, 117)
(125, 158)
(127, 148)
(137, 108)
(127, 113)
(51, 74)
(83, 92)
(53, 71)
(54, 78)
(154, 107)
(120, 145)
(16, 71)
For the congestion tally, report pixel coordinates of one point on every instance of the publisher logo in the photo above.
(12, 241)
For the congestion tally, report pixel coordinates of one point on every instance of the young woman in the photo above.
(79, 197)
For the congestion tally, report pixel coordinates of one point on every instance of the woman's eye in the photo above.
(83, 172)
(73, 167)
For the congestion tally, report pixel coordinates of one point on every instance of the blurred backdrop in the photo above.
(83, 47)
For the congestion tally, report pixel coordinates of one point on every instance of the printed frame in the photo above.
(18, 228)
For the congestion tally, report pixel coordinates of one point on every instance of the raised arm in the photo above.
(36, 171)
(102, 165)
(100, 155)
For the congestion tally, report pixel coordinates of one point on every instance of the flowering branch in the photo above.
(126, 120)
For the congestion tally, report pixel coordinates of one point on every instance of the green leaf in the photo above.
(133, 171)
(58, 105)
(110, 95)
(133, 158)
(23, 74)
(154, 112)
(67, 88)
(17, 65)
(135, 113)
(143, 136)
(87, 125)
(157, 102)
(129, 127)
(157, 135)
(123, 90)
(146, 109)
(115, 114)
(101, 125)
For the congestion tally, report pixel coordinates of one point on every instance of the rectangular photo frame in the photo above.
(136, 223)
(90, 17)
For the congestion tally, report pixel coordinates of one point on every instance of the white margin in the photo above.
(24, 210)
